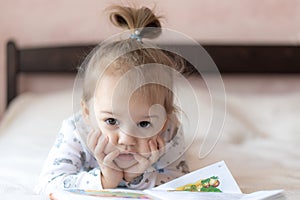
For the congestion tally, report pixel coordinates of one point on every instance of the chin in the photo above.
(124, 164)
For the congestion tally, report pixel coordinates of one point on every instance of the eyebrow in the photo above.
(150, 116)
(106, 112)
(144, 117)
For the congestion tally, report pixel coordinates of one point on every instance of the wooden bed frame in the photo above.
(237, 59)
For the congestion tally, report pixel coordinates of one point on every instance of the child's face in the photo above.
(129, 124)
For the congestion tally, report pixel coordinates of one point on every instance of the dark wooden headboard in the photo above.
(250, 59)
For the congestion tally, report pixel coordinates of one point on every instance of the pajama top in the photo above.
(70, 164)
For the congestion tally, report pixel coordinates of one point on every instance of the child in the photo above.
(127, 133)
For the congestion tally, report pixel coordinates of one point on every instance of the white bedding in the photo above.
(259, 142)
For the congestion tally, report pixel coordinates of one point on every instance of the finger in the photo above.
(142, 164)
(112, 155)
(154, 152)
(161, 144)
(102, 139)
(153, 146)
(108, 160)
(139, 158)
(154, 143)
(92, 139)
(99, 149)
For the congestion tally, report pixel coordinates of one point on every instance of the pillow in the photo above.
(30, 110)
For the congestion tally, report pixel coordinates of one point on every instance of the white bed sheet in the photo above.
(259, 141)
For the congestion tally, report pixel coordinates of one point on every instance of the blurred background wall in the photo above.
(63, 22)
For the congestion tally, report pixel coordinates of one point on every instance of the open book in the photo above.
(212, 182)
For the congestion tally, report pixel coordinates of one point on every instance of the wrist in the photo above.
(106, 184)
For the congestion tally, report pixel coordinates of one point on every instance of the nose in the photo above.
(126, 139)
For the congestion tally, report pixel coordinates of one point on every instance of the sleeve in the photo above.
(69, 164)
(171, 165)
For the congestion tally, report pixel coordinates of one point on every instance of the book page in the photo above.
(227, 183)
(227, 188)
(261, 195)
(165, 195)
(108, 194)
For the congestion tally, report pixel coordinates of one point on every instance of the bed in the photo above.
(260, 137)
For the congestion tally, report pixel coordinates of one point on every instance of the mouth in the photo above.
(126, 156)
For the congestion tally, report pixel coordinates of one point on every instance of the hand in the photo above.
(156, 150)
(111, 175)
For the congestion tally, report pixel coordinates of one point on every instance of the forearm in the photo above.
(84, 180)
(68, 164)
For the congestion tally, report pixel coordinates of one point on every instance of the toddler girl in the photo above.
(127, 133)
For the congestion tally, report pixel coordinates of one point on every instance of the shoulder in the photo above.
(174, 148)
(73, 127)
(72, 134)
(72, 120)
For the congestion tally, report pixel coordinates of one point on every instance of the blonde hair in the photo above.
(118, 57)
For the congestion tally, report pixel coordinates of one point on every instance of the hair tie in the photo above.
(136, 35)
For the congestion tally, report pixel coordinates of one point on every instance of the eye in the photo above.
(144, 124)
(112, 121)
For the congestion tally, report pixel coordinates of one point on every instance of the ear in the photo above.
(85, 111)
